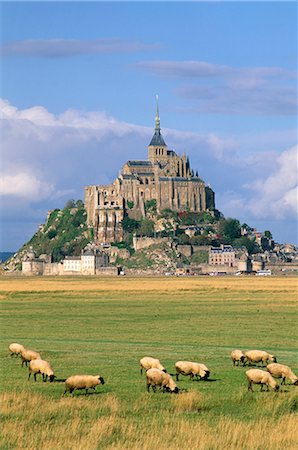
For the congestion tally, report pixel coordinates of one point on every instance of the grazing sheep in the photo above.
(282, 371)
(258, 376)
(82, 382)
(16, 349)
(29, 355)
(43, 367)
(192, 369)
(237, 356)
(151, 363)
(255, 356)
(157, 377)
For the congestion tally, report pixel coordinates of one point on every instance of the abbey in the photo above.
(165, 177)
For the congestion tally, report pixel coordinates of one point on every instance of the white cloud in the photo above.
(25, 185)
(66, 48)
(48, 158)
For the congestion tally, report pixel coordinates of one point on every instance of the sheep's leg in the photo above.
(34, 377)
(148, 387)
(29, 376)
(177, 376)
(154, 389)
(141, 370)
(250, 386)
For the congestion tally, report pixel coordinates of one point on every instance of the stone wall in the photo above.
(144, 242)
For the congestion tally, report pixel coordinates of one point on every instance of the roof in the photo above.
(158, 140)
(139, 163)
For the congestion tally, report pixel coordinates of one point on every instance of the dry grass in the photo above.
(31, 422)
(162, 284)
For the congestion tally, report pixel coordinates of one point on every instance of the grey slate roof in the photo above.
(157, 139)
(139, 163)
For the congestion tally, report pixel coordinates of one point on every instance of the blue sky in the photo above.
(78, 99)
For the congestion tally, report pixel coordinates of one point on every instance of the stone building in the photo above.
(225, 254)
(164, 177)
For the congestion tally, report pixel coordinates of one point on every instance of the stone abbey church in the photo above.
(165, 177)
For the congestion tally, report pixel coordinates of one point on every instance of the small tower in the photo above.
(157, 149)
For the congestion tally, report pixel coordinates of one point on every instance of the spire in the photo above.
(157, 119)
(157, 139)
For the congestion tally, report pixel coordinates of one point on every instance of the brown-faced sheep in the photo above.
(16, 349)
(82, 382)
(283, 372)
(257, 376)
(192, 369)
(237, 356)
(256, 356)
(29, 355)
(156, 377)
(151, 363)
(43, 367)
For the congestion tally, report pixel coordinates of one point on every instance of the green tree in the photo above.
(268, 234)
(230, 229)
(130, 225)
(146, 228)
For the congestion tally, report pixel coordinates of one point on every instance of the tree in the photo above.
(130, 225)
(268, 234)
(146, 227)
(230, 229)
(251, 246)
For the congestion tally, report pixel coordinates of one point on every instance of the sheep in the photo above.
(40, 366)
(16, 349)
(82, 382)
(157, 377)
(237, 356)
(256, 356)
(258, 376)
(192, 369)
(29, 355)
(283, 372)
(151, 363)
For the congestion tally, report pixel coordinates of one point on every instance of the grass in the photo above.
(105, 325)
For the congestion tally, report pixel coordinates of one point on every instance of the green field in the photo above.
(104, 326)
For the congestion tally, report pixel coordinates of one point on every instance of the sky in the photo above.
(78, 86)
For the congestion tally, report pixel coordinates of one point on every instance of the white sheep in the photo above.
(82, 382)
(192, 369)
(258, 376)
(282, 371)
(151, 363)
(255, 356)
(29, 355)
(43, 367)
(157, 377)
(16, 349)
(237, 356)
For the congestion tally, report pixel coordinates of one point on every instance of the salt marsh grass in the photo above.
(104, 326)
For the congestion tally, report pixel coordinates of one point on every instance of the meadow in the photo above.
(105, 325)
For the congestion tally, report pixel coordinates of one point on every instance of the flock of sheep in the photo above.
(157, 375)
(258, 376)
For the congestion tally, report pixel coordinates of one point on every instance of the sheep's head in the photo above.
(52, 377)
(276, 388)
(242, 359)
(176, 390)
(164, 370)
(295, 383)
(101, 380)
(272, 358)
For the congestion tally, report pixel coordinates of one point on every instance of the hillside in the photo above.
(64, 233)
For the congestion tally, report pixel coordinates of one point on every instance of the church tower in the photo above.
(157, 149)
